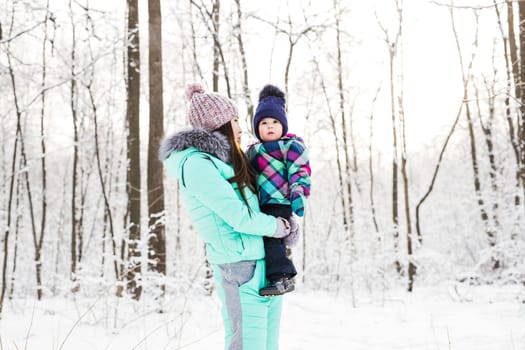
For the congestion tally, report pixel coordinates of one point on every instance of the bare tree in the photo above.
(404, 158)
(512, 74)
(194, 46)
(45, 40)
(489, 228)
(399, 150)
(23, 166)
(215, 20)
(75, 225)
(521, 117)
(294, 36)
(392, 45)
(487, 127)
(105, 188)
(340, 171)
(245, 84)
(133, 187)
(345, 137)
(157, 235)
(19, 212)
(371, 168)
(213, 17)
(11, 187)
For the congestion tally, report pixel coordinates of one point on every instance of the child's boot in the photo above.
(278, 287)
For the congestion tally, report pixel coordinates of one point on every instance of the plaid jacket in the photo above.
(283, 172)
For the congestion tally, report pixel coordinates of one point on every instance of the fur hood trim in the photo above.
(214, 143)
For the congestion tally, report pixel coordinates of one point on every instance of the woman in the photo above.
(218, 188)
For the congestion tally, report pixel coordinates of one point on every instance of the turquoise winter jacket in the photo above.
(198, 159)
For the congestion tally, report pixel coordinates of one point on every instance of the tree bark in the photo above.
(74, 172)
(9, 201)
(108, 215)
(510, 50)
(18, 212)
(215, 18)
(157, 236)
(392, 49)
(42, 136)
(487, 129)
(349, 239)
(371, 169)
(23, 170)
(194, 45)
(333, 125)
(411, 270)
(521, 118)
(133, 187)
(245, 84)
(489, 229)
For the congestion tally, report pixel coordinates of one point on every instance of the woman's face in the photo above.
(236, 129)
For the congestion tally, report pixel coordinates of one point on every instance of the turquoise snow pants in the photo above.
(251, 322)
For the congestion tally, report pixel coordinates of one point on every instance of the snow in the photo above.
(448, 316)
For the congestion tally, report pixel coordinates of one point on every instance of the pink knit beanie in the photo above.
(208, 110)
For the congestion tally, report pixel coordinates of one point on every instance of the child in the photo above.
(281, 163)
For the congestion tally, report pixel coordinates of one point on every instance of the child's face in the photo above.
(270, 129)
(237, 131)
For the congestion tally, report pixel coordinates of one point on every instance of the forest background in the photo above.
(413, 112)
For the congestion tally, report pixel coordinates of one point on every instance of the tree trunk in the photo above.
(216, 49)
(395, 202)
(8, 224)
(489, 229)
(133, 187)
(341, 185)
(412, 268)
(194, 46)
(487, 129)
(349, 248)
(371, 169)
(392, 49)
(157, 236)
(510, 49)
(245, 85)
(521, 119)
(38, 247)
(108, 215)
(18, 212)
(411, 271)
(74, 173)
(24, 165)
(513, 76)
(349, 239)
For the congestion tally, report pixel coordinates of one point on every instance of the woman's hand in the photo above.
(283, 228)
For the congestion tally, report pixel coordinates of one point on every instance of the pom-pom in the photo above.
(271, 90)
(193, 89)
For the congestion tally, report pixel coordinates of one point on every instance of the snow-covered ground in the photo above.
(443, 317)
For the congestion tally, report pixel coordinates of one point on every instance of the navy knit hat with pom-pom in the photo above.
(271, 105)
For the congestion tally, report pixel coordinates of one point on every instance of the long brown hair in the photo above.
(244, 174)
